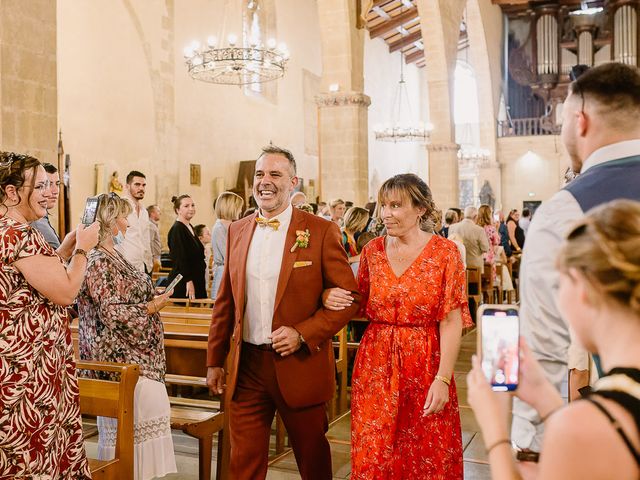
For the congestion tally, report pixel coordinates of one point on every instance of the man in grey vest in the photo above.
(601, 132)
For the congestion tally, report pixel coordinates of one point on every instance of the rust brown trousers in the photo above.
(261, 382)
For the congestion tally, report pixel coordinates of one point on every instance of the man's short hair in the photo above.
(134, 173)
(49, 168)
(450, 216)
(614, 86)
(526, 212)
(275, 150)
(152, 208)
(470, 212)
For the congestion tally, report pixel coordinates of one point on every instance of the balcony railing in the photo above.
(523, 127)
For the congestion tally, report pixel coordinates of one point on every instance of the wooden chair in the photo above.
(338, 404)
(474, 289)
(489, 291)
(111, 399)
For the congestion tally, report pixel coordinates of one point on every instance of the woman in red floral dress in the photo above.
(40, 423)
(405, 418)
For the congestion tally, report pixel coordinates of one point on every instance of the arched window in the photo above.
(465, 105)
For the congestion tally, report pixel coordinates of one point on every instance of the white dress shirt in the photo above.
(136, 247)
(546, 332)
(264, 260)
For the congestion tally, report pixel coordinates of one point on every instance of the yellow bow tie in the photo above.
(263, 222)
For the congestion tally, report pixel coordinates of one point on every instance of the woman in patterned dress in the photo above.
(119, 322)
(40, 423)
(405, 418)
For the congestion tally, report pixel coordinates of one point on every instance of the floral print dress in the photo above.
(40, 423)
(397, 361)
(116, 327)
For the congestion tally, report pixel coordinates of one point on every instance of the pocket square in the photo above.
(302, 264)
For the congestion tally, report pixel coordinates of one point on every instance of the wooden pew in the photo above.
(111, 399)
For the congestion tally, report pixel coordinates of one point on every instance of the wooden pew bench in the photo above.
(111, 399)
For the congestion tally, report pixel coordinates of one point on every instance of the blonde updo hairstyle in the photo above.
(605, 247)
(356, 219)
(412, 187)
(111, 207)
(229, 206)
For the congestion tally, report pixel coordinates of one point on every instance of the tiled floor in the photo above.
(475, 465)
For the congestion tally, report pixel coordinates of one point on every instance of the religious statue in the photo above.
(486, 195)
(115, 185)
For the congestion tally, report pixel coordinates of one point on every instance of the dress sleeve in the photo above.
(30, 242)
(109, 292)
(363, 281)
(455, 289)
(178, 246)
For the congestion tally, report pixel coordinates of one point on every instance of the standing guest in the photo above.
(324, 211)
(599, 296)
(228, 209)
(120, 322)
(355, 222)
(39, 403)
(187, 252)
(602, 136)
(459, 215)
(43, 224)
(136, 246)
(405, 418)
(485, 220)
(203, 233)
(504, 234)
(516, 234)
(337, 208)
(298, 198)
(450, 217)
(363, 239)
(474, 238)
(525, 220)
(269, 306)
(154, 235)
(306, 207)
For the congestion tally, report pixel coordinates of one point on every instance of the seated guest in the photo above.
(120, 322)
(298, 198)
(228, 209)
(187, 252)
(474, 238)
(599, 296)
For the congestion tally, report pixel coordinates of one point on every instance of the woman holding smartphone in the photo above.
(120, 322)
(597, 437)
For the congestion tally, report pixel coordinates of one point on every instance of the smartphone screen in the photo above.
(500, 331)
(90, 210)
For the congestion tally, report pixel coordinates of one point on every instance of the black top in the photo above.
(626, 400)
(519, 234)
(187, 254)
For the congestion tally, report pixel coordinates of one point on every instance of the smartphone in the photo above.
(90, 210)
(173, 283)
(499, 346)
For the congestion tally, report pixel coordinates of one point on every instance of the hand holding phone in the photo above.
(499, 345)
(90, 210)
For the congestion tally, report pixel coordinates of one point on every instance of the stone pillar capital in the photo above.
(443, 147)
(341, 99)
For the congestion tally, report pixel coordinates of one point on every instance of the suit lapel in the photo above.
(288, 258)
(245, 235)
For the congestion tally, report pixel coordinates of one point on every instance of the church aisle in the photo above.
(475, 459)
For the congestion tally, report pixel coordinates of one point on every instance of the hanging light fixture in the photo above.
(254, 61)
(401, 127)
(473, 157)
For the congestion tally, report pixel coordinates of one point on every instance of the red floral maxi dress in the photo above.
(40, 424)
(397, 361)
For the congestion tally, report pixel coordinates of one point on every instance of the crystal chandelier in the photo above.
(473, 157)
(230, 64)
(399, 130)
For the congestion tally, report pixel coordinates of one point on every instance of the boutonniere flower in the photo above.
(302, 239)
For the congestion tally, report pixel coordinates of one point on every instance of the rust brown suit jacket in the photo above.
(306, 377)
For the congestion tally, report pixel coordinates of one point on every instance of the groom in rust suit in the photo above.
(269, 311)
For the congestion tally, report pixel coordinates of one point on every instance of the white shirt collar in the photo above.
(284, 217)
(627, 148)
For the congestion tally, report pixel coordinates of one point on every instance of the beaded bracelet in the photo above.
(499, 442)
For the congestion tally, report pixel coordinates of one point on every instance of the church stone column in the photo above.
(28, 78)
(342, 105)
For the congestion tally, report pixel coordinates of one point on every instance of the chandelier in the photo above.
(252, 62)
(398, 129)
(473, 157)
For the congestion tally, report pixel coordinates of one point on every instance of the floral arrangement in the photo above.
(302, 239)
